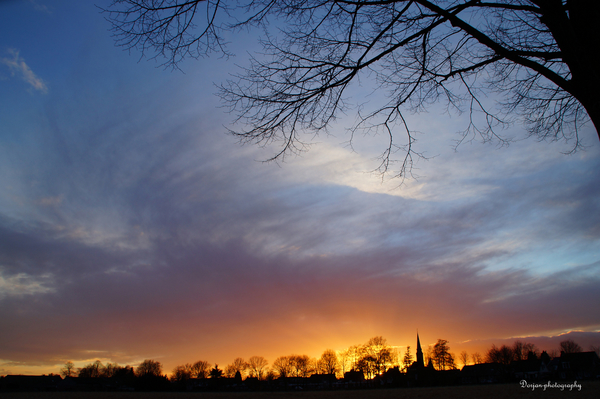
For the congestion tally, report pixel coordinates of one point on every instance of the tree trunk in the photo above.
(584, 16)
(575, 28)
(594, 113)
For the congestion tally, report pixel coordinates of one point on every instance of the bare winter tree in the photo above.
(92, 370)
(282, 366)
(200, 369)
(476, 357)
(378, 353)
(531, 351)
(537, 58)
(441, 356)
(328, 363)
(257, 367)
(349, 358)
(149, 368)
(182, 373)
(464, 358)
(518, 351)
(239, 365)
(503, 355)
(407, 360)
(570, 346)
(68, 370)
(111, 369)
(301, 366)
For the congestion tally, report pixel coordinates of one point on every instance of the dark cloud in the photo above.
(194, 293)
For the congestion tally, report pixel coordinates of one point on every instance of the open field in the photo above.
(589, 389)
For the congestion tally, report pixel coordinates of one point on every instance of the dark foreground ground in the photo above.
(589, 389)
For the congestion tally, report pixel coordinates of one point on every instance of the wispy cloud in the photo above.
(23, 284)
(18, 67)
(40, 7)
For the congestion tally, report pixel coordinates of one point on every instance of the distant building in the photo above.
(419, 363)
(578, 366)
(484, 373)
(31, 383)
(530, 370)
(417, 373)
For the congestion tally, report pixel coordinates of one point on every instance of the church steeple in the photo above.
(419, 363)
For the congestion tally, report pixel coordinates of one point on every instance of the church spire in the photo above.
(420, 362)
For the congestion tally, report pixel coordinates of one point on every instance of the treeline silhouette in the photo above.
(372, 364)
(359, 363)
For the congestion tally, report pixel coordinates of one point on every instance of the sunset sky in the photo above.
(132, 226)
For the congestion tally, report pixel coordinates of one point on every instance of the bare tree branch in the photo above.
(535, 56)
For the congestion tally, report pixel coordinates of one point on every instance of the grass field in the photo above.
(589, 389)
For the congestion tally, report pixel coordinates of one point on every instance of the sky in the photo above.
(133, 227)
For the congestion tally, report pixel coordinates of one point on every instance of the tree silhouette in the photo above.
(110, 369)
(377, 355)
(518, 351)
(124, 374)
(68, 370)
(441, 356)
(239, 365)
(282, 366)
(182, 373)
(92, 370)
(328, 362)
(570, 346)
(503, 355)
(200, 369)
(149, 368)
(349, 358)
(407, 359)
(216, 372)
(530, 350)
(238, 377)
(367, 364)
(476, 357)
(537, 58)
(301, 366)
(257, 367)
